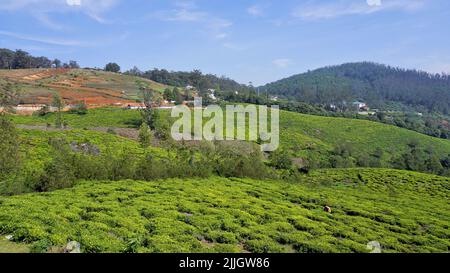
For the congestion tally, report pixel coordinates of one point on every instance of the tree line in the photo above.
(198, 80)
(20, 59)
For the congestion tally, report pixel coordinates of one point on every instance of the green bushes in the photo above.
(231, 215)
(280, 160)
(9, 147)
(67, 162)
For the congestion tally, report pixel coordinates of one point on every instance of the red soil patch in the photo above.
(71, 89)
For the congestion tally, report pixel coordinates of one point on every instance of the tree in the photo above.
(150, 114)
(177, 96)
(280, 160)
(58, 103)
(73, 64)
(6, 58)
(21, 60)
(9, 146)
(57, 63)
(9, 94)
(168, 94)
(112, 67)
(145, 136)
(135, 71)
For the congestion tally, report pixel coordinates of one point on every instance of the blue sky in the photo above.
(258, 41)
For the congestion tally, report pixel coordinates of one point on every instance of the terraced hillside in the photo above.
(95, 88)
(403, 211)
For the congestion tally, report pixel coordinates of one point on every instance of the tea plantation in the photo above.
(300, 134)
(403, 211)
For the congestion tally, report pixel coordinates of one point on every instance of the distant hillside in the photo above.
(379, 85)
(94, 87)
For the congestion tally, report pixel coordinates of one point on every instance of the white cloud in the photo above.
(73, 2)
(313, 10)
(282, 63)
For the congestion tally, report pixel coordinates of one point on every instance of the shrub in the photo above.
(9, 147)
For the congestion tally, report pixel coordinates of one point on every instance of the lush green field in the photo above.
(404, 211)
(301, 134)
(103, 117)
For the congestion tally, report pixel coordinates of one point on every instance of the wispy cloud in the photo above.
(95, 9)
(315, 10)
(189, 12)
(44, 40)
(282, 62)
(183, 11)
(45, 20)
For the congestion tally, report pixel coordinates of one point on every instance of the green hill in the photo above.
(379, 85)
(306, 137)
(314, 134)
(403, 211)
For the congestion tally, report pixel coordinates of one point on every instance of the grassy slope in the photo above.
(36, 149)
(104, 117)
(299, 133)
(404, 211)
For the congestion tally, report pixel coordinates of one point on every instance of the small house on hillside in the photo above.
(361, 105)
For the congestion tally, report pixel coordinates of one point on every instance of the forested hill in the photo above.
(379, 85)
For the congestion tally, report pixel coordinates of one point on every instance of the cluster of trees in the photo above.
(20, 59)
(429, 124)
(416, 158)
(66, 166)
(174, 94)
(202, 82)
(421, 159)
(376, 84)
(112, 67)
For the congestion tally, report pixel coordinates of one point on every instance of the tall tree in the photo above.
(58, 103)
(57, 63)
(9, 94)
(6, 58)
(150, 114)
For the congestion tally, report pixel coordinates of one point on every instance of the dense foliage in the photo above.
(378, 85)
(20, 59)
(112, 67)
(196, 79)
